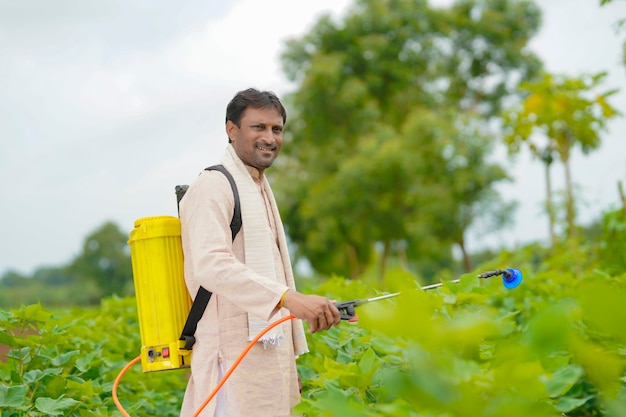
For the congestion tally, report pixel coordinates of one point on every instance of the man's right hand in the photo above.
(318, 311)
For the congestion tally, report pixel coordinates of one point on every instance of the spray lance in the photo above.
(511, 278)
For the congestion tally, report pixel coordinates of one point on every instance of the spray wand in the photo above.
(511, 278)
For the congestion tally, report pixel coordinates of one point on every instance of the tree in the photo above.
(558, 114)
(105, 259)
(379, 120)
(53, 276)
(469, 179)
(13, 279)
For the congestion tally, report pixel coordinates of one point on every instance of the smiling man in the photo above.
(250, 274)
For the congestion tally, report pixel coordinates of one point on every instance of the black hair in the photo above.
(255, 99)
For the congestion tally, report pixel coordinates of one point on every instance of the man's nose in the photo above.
(269, 135)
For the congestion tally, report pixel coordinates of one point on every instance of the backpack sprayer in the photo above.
(167, 316)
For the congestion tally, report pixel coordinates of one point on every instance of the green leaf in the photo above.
(89, 413)
(385, 345)
(37, 374)
(5, 315)
(369, 361)
(449, 298)
(7, 339)
(563, 380)
(550, 330)
(338, 402)
(55, 385)
(5, 374)
(343, 357)
(64, 358)
(610, 318)
(467, 282)
(54, 407)
(83, 363)
(79, 389)
(33, 376)
(603, 367)
(34, 313)
(567, 404)
(13, 396)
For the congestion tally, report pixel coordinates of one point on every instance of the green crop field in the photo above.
(553, 346)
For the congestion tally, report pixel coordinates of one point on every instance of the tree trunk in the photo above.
(570, 207)
(622, 196)
(467, 262)
(383, 262)
(402, 257)
(549, 205)
(353, 261)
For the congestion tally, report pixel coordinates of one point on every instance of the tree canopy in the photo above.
(389, 140)
(105, 260)
(557, 115)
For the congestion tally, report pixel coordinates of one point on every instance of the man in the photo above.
(250, 277)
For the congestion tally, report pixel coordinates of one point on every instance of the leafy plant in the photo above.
(64, 363)
(546, 348)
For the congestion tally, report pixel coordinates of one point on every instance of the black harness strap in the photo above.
(203, 295)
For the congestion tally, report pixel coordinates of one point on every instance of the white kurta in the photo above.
(265, 383)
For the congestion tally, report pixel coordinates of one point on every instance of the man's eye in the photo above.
(278, 129)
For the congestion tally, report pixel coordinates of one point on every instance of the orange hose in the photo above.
(221, 383)
(117, 382)
(239, 359)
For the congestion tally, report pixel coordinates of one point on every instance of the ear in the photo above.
(231, 130)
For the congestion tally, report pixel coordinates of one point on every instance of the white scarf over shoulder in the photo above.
(258, 247)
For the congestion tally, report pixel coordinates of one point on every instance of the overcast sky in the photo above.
(106, 105)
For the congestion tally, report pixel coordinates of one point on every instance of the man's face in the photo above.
(258, 140)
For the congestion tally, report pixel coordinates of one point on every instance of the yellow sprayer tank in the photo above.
(163, 301)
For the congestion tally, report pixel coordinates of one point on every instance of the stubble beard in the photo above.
(262, 161)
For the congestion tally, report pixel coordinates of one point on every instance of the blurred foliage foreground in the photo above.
(553, 346)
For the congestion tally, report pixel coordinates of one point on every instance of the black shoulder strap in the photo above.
(235, 223)
(203, 295)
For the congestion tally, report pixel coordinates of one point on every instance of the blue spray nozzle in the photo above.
(512, 278)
